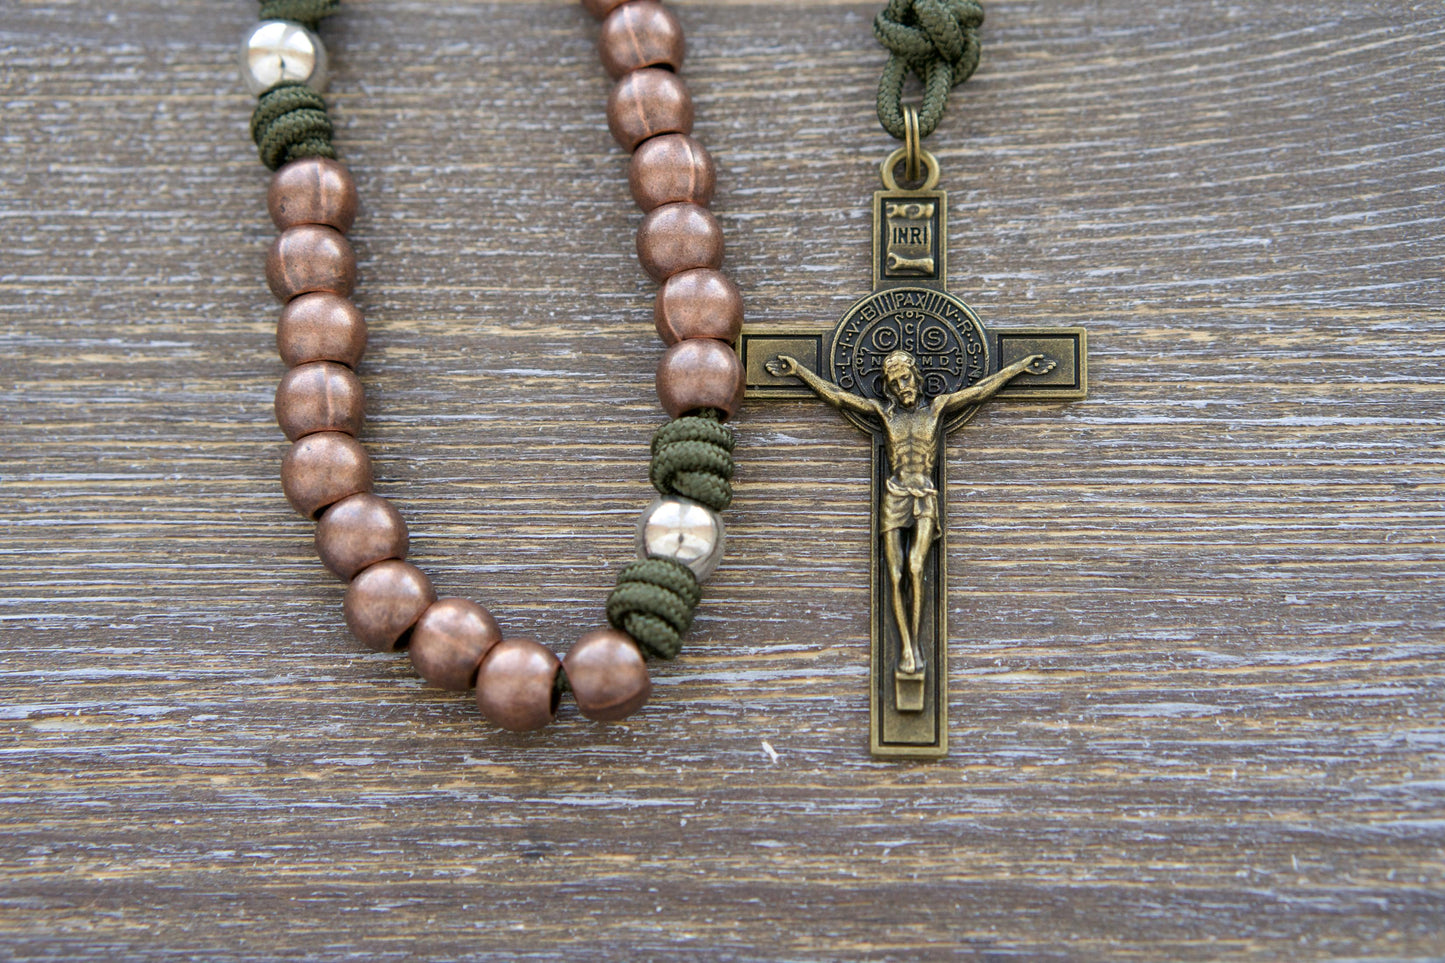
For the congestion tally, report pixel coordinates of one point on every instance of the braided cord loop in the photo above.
(308, 13)
(654, 602)
(289, 123)
(935, 40)
(692, 457)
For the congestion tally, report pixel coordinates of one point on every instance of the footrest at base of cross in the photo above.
(908, 690)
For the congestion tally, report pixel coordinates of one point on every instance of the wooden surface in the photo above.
(1197, 619)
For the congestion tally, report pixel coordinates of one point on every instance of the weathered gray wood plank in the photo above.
(1197, 621)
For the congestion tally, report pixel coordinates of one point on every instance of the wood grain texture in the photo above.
(1197, 619)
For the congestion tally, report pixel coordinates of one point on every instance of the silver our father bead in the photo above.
(276, 51)
(682, 530)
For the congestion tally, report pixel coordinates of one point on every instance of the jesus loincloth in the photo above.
(903, 507)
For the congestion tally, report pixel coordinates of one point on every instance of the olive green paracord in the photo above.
(937, 41)
(655, 598)
(692, 457)
(308, 13)
(290, 120)
(290, 123)
(654, 602)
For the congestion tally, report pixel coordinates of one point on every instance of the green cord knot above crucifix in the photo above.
(908, 364)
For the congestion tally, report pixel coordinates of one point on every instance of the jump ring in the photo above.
(930, 168)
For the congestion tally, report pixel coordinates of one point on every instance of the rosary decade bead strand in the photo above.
(700, 373)
(384, 601)
(319, 404)
(679, 237)
(698, 314)
(646, 103)
(321, 336)
(322, 469)
(698, 304)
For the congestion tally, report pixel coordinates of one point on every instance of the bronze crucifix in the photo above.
(908, 364)
(912, 427)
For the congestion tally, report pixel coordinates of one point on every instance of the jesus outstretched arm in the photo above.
(1034, 364)
(784, 365)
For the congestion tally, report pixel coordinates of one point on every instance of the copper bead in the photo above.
(670, 169)
(321, 396)
(517, 685)
(322, 469)
(358, 531)
(450, 640)
(646, 103)
(640, 34)
(700, 373)
(384, 601)
(679, 237)
(698, 304)
(608, 675)
(601, 8)
(320, 327)
(310, 257)
(314, 190)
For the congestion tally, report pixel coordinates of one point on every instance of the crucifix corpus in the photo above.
(908, 364)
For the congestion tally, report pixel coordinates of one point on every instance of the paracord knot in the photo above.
(308, 13)
(289, 123)
(692, 457)
(937, 40)
(654, 602)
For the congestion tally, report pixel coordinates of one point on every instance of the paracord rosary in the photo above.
(908, 364)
